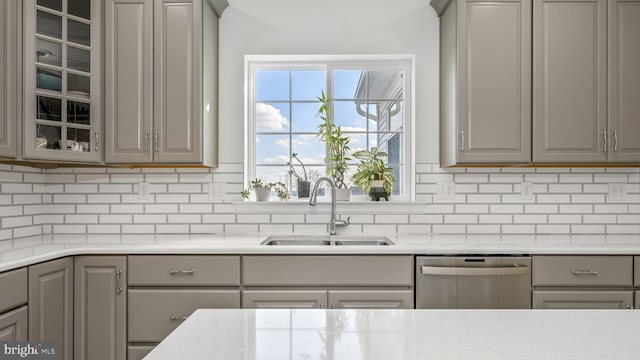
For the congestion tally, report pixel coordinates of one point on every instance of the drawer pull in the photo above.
(174, 317)
(181, 272)
(629, 307)
(584, 272)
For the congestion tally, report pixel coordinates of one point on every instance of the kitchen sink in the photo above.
(326, 240)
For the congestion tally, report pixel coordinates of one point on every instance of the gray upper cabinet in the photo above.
(485, 93)
(161, 88)
(100, 303)
(62, 81)
(624, 81)
(10, 70)
(51, 304)
(569, 66)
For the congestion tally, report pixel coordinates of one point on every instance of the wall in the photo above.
(79, 200)
(22, 201)
(566, 200)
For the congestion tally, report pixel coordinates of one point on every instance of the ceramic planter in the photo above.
(343, 194)
(263, 193)
(303, 189)
(378, 191)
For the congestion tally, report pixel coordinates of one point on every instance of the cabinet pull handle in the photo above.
(629, 307)
(605, 142)
(584, 272)
(615, 141)
(118, 282)
(461, 147)
(174, 317)
(321, 306)
(146, 141)
(156, 136)
(183, 272)
(97, 141)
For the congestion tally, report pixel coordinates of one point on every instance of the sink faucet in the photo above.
(334, 222)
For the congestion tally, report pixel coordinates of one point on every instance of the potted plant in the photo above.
(303, 184)
(263, 191)
(337, 148)
(372, 175)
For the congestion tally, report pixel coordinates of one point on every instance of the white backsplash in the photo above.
(487, 201)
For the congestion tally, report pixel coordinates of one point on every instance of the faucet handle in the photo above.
(343, 223)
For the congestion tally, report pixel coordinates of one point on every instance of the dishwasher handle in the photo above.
(475, 271)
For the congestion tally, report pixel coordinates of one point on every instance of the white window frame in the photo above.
(407, 62)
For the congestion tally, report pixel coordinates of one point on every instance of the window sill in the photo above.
(324, 207)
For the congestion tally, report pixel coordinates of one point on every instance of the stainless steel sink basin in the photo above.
(363, 240)
(296, 240)
(324, 240)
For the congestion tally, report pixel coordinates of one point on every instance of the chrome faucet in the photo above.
(334, 222)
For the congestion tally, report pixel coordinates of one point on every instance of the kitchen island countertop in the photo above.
(30, 250)
(403, 334)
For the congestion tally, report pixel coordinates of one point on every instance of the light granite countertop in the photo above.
(30, 250)
(403, 334)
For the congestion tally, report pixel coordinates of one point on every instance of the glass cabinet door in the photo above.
(62, 67)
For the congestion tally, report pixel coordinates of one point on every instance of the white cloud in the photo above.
(269, 118)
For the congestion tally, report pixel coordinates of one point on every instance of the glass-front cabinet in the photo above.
(62, 70)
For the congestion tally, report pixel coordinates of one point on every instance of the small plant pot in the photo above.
(303, 189)
(343, 194)
(263, 193)
(378, 191)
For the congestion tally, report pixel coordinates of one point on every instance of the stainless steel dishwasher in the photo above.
(473, 282)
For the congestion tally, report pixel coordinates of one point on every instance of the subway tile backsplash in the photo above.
(486, 201)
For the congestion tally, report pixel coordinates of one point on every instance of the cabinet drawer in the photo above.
(582, 299)
(371, 299)
(184, 270)
(15, 280)
(310, 270)
(583, 270)
(636, 274)
(13, 325)
(153, 314)
(138, 352)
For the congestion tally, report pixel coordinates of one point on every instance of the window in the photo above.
(369, 99)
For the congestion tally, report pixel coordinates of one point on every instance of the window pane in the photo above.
(272, 117)
(78, 113)
(48, 79)
(272, 174)
(51, 4)
(395, 113)
(49, 25)
(307, 84)
(48, 108)
(48, 52)
(272, 149)
(78, 59)
(357, 142)
(48, 137)
(78, 139)
(349, 115)
(384, 84)
(79, 33)
(304, 117)
(373, 141)
(80, 8)
(78, 85)
(347, 84)
(272, 85)
(309, 148)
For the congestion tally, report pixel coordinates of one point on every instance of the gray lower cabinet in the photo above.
(288, 299)
(583, 299)
(637, 300)
(51, 304)
(165, 289)
(13, 325)
(636, 272)
(371, 299)
(582, 282)
(327, 281)
(153, 314)
(16, 280)
(100, 300)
